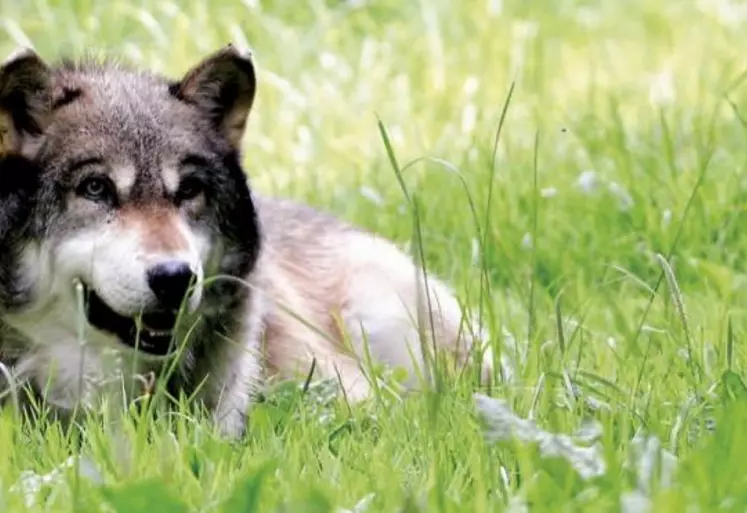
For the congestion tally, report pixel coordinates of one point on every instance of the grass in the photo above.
(601, 235)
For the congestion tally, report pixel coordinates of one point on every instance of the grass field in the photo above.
(601, 237)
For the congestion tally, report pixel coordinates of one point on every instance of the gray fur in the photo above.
(164, 157)
(86, 111)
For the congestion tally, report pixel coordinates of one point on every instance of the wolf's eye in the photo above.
(94, 188)
(189, 189)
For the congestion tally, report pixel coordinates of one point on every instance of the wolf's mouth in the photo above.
(154, 337)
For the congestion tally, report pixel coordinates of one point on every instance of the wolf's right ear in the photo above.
(223, 86)
(25, 99)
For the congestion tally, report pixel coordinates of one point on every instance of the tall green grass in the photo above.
(599, 236)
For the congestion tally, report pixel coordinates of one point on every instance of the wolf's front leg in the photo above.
(231, 392)
(233, 371)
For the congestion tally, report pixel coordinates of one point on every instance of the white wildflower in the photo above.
(524, 30)
(361, 506)
(504, 424)
(469, 118)
(549, 192)
(526, 241)
(666, 217)
(634, 502)
(595, 404)
(303, 149)
(728, 13)
(588, 181)
(649, 456)
(625, 200)
(396, 135)
(661, 91)
(371, 195)
(327, 60)
(495, 7)
(30, 483)
(517, 504)
(471, 85)
(472, 155)
(589, 432)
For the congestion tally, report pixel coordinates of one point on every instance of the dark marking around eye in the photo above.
(195, 161)
(68, 96)
(189, 188)
(99, 189)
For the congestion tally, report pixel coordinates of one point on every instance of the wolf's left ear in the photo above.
(25, 99)
(223, 86)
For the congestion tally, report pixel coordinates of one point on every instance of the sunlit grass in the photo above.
(612, 273)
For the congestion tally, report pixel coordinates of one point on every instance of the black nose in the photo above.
(170, 281)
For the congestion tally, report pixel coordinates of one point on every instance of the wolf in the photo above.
(129, 233)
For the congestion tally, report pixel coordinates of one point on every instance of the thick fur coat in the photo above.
(127, 221)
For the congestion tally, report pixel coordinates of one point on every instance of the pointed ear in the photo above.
(25, 99)
(223, 86)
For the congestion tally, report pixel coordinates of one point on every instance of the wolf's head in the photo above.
(141, 196)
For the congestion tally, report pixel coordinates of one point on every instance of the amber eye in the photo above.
(95, 188)
(189, 189)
